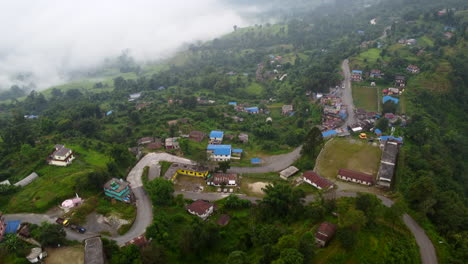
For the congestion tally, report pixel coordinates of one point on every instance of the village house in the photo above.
(219, 152)
(155, 145)
(119, 190)
(356, 76)
(236, 154)
(448, 35)
(251, 110)
(387, 164)
(201, 209)
(139, 241)
(61, 156)
(317, 181)
(134, 96)
(2, 226)
(243, 137)
(220, 179)
(288, 172)
(172, 143)
(93, 251)
(36, 255)
(383, 140)
(172, 122)
(145, 140)
(410, 42)
(325, 233)
(374, 73)
(186, 169)
(413, 68)
(356, 177)
(286, 109)
(400, 81)
(197, 136)
(216, 137)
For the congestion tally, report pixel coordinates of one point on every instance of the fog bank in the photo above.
(46, 39)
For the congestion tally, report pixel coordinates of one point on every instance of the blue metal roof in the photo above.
(12, 226)
(378, 131)
(386, 98)
(329, 133)
(251, 109)
(109, 112)
(222, 151)
(237, 150)
(356, 71)
(232, 103)
(385, 138)
(216, 134)
(215, 147)
(255, 160)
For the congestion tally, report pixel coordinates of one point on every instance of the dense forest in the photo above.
(101, 124)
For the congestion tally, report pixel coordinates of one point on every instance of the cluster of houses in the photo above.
(358, 75)
(334, 112)
(408, 42)
(274, 62)
(246, 108)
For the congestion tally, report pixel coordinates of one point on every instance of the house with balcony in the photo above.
(61, 156)
(219, 152)
(119, 190)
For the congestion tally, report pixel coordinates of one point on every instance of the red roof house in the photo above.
(325, 233)
(354, 176)
(201, 209)
(317, 181)
(218, 179)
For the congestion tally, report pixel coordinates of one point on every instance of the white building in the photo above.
(61, 156)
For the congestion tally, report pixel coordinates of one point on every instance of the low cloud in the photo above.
(47, 39)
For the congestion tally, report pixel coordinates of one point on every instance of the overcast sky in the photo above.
(51, 37)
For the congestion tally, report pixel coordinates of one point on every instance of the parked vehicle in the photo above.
(78, 228)
(62, 221)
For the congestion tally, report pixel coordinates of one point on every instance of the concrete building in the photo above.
(119, 190)
(61, 156)
(201, 209)
(387, 164)
(94, 253)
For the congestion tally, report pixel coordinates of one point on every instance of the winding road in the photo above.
(144, 215)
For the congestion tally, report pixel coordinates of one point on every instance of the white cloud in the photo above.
(52, 37)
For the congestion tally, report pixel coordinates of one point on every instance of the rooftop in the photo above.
(288, 172)
(386, 171)
(222, 151)
(356, 175)
(215, 147)
(317, 179)
(199, 207)
(116, 185)
(216, 134)
(61, 150)
(390, 152)
(93, 251)
(326, 231)
(219, 178)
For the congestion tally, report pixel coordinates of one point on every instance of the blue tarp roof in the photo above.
(378, 131)
(251, 109)
(237, 150)
(109, 112)
(356, 71)
(232, 103)
(385, 138)
(386, 98)
(216, 134)
(255, 160)
(226, 151)
(215, 147)
(12, 226)
(329, 133)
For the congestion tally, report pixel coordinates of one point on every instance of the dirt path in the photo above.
(347, 95)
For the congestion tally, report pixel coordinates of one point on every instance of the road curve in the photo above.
(273, 163)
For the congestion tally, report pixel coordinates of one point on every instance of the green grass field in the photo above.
(55, 184)
(365, 97)
(342, 153)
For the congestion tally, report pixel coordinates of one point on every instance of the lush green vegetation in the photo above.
(311, 43)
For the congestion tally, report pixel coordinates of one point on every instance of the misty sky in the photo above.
(52, 37)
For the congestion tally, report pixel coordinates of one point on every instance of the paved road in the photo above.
(40, 218)
(347, 96)
(273, 163)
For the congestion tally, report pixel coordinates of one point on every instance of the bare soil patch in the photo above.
(68, 255)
